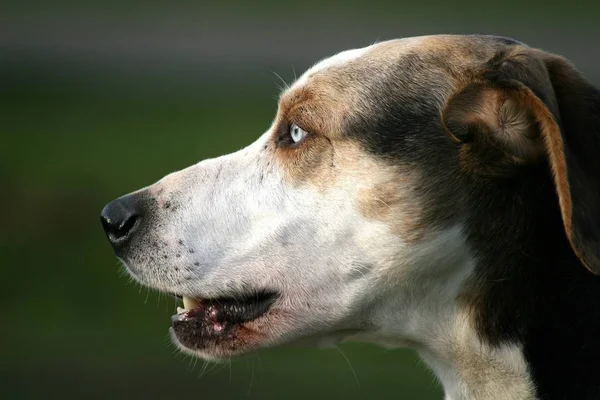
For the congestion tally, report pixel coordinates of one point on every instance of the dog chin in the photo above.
(216, 348)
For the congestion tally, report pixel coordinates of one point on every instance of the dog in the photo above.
(440, 193)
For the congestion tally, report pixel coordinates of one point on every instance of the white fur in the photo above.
(336, 60)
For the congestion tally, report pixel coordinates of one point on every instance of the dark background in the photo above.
(99, 99)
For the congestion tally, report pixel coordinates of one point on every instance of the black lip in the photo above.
(217, 318)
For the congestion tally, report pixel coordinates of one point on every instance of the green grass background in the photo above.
(77, 132)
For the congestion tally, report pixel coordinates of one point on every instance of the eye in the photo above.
(297, 133)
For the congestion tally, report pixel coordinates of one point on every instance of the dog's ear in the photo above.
(528, 104)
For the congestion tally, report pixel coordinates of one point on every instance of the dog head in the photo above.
(358, 197)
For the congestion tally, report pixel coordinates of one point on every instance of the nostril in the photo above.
(127, 225)
(118, 229)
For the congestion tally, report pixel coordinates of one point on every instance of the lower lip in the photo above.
(214, 320)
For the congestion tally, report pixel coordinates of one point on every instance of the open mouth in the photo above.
(202, 322)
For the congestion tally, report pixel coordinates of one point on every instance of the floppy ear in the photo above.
(579, 111)
(529, 104)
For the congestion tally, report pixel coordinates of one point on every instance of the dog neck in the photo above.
(423, 311)
(469, 368)
(466, 366)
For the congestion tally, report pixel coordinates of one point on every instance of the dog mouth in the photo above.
(203, 323)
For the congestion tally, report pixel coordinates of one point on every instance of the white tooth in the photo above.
(180, 310)
(189, 303)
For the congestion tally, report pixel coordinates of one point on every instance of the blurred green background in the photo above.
(99, 99)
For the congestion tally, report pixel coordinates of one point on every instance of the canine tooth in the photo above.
(180, 310)
(189, 303)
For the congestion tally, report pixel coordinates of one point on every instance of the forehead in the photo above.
(407, 57)
(405, 79)
(354, 56)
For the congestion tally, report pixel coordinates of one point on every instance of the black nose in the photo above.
(121, 218)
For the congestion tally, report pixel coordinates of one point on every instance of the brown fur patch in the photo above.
(392, 202)
(320, 107)
(317, 107)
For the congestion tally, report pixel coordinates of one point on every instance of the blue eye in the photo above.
(297, 133)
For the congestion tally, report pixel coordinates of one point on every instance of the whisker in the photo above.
(285, 84)
(203, 369)
(251, 382)
(147, 295)
(350, 365)
(214, 365)
(260, 368)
